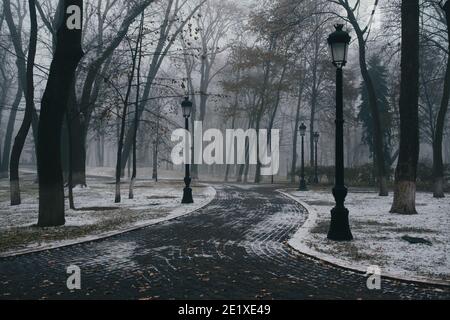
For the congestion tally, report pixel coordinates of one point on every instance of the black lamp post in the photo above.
(303, 186)
(339, 230)
(316, 140)
(187, 191)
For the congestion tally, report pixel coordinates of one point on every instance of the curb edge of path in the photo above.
(303, 250)
(171, 216)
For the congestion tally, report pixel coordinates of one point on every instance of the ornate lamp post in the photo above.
(316, 140)
(303, 186)
(339, 230)
(186, 105)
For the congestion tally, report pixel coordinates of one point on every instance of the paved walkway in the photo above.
(235, 248)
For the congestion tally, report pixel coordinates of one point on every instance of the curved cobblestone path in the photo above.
(235, 248)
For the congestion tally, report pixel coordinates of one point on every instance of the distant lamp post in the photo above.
(186, 105)
(316, 141)
(339, 230)
(303, 186)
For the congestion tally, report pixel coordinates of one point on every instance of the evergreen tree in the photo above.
(379, 77)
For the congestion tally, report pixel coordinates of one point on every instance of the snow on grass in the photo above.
(96, 214)
(378, 235)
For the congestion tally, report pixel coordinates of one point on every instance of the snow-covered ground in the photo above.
(378, 235)
(96, 216)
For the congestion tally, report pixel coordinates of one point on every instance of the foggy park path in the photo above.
(234, 248)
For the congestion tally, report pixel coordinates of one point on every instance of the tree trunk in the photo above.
(70, 166)
(405, 175)
(233, 123)
(138, 51)
(378, 142)
(5, 91)
(155, 162)
(10, 131)
(122, 129)
(438, 163)
(295, 137)
(21, 136)
(77, 141)
(67, 55)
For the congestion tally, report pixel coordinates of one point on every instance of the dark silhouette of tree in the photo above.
(30, 111)
(438, 165)
(123, 119)
(91, 87)
(361, 35)
(171, 27)
(68, 53)
(136, 107)
(378, 73)
(15, 30)
(406, 172)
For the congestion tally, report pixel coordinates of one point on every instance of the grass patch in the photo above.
(21, 237)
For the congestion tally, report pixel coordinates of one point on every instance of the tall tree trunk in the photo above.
(10, 131)
(70, 166)
(136, 110)
(3, 99)
(233, 123)
(233, 120)
(21, 136)
(296, 126)
(67, 55)
(262, 105)
(378, 138)
(123, 128)
(314, 96)
(406, 172)
(438, 163)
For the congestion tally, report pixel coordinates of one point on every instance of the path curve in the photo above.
(234, 248)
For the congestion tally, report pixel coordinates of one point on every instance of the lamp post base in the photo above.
(339, 226)
(187, 195)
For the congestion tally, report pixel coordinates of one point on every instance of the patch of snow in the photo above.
(153, 203)
(378, 235)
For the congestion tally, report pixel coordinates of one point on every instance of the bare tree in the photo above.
(67, 55)
(30, 111)
(92, 85)
(123, 119)
(438, 166)
(171, 27)
(362, 35)
(136, 110)
(16, 39)
(405, 175)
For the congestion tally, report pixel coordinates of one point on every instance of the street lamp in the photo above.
(186, 105)
(316, 140)
(303, 186)
(339, 230)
